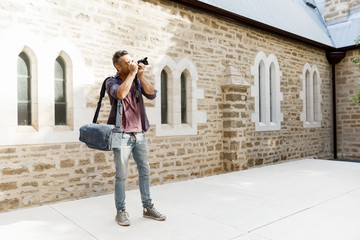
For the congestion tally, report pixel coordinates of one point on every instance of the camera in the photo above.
(137, 94)
(144, 61)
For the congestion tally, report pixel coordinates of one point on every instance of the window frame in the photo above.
(266, 92)
(33, 91)
(311, 96)
(20, 79)
(42, 55)
(193, 116)
(63, 80)
(69, 96)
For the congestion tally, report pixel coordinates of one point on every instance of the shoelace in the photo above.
(124, 214)
(153, 211)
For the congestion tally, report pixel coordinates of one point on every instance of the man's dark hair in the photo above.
(118, 55)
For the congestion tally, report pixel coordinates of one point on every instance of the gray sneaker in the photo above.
(151, 212)
(122, 218)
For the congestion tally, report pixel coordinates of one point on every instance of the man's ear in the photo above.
(117, 66)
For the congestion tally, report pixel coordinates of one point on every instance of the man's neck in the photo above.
(122, 76)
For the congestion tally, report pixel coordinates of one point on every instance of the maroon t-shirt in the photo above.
(131, 118)
(134, 117)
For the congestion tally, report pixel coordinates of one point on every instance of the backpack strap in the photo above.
(119, 107)
(102, 94)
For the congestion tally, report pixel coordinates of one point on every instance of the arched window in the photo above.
(24, 89)
(60, 92)
(266, 91)
(311, 96)
(28, 116)
(262, 92)
(164, 97)
(175, 111)
(316, 96)
(183, 98)
(273, 115)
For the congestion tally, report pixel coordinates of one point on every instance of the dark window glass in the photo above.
(272, 88)
(60, 92)
(164, 98)
(316, 98)
(183, 98)
(308, 96)
(24, 89)
(262, 93)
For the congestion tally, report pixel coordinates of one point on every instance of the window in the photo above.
(262, 92)
(24, 90)
(175, 111)
(183, 98)
(273, 115)
(60, 92)
(30, 92)
(311, 96)
(266, 91)
(317, 98)
(164, 97)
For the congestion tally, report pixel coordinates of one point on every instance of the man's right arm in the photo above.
(124, 88)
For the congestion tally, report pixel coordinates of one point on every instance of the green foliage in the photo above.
(357, 61)
(356, 99)
(357, 41)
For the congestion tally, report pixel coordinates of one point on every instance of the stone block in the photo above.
(43, 166)
(7, 204)
(31, 184)
(99, 158)
(7, 186)
(7, 150)
(67, 163)
(15, 171)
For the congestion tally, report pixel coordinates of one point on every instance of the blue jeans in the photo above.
(139, 149)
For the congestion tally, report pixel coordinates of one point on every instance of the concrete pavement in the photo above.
(300, 200)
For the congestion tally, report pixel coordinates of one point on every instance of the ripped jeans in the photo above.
(134, 143)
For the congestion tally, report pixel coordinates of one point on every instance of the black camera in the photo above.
(137, 94)
(144, 61)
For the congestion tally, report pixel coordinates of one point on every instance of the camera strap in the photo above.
(137, 92)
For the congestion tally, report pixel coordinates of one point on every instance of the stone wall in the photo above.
(38, 174)
(43, 173)
(348, 113)
(339, 9)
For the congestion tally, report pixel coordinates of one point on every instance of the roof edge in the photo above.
(229, 15)
(347, 48)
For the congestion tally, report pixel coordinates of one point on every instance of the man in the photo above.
(134, 123)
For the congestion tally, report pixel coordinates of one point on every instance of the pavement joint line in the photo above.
(211, 219)
(79, 226)
(305, 209)
(244, 234)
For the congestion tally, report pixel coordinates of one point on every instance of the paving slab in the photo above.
(306, 199)
(40, 223)
(335, 219)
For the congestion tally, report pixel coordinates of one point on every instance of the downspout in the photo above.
(334, 58)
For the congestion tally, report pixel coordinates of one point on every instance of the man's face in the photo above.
(124, 64)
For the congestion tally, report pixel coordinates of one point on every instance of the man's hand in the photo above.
(148, 88)
(133, 67)
(127, 78)
(141, 69)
